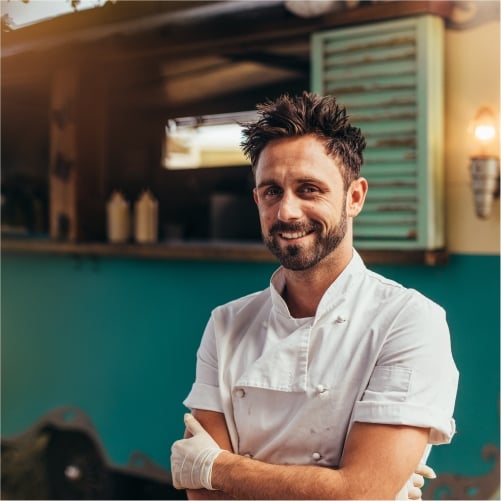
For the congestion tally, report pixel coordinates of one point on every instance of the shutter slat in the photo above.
(384, 206)
(382, 98)
(390, 231)
(379, 86)
(394, 218)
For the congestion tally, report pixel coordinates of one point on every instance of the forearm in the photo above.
(196, 494)
(244, 478)
(377, 461)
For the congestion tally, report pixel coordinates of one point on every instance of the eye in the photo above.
(308, 189)
(272, 191)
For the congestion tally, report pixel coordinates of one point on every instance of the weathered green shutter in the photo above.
(390, 78)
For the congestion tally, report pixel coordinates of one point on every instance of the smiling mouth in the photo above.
(293, 235)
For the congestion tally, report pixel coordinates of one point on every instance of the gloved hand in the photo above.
(417, 480)
(192, 458)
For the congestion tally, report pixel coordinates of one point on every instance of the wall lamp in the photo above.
(484, 161)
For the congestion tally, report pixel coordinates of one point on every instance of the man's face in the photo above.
(301, 199)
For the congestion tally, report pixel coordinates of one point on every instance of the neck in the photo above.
(304, 289)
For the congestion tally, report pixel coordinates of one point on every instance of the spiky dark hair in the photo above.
(308, 113)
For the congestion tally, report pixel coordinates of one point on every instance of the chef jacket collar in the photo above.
(333, 297)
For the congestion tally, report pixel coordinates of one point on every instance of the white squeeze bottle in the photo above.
(146, 218)
(118, 218)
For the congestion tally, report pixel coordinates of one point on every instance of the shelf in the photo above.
(202, 251)
(226, 251)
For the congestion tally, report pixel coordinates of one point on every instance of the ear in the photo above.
(254, 194)
(356, 196)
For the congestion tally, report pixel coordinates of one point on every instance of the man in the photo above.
(333, 382)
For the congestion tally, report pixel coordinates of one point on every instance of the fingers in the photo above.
(414, 493)
(426, 471)
(422, 471)
(192, 425)
(417, 480)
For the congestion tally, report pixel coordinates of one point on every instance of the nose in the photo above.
(290, 208)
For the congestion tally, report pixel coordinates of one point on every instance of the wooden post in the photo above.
(78, 140)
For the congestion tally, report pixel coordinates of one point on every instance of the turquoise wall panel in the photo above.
(118, 339)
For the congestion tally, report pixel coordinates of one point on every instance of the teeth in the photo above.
(291, 236)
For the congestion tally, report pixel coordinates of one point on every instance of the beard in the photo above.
(299, 257)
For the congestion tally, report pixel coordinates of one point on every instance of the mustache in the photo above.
(280, 227)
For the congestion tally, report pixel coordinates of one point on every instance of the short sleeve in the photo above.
(415, 380)
(205, 394)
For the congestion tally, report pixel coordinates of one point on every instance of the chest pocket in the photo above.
(388, 383)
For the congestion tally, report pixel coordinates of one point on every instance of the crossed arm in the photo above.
(377, 462)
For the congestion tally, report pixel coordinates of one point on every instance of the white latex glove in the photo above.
(417, 480)
(192, 458)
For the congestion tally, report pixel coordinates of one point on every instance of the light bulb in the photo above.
(484, 131)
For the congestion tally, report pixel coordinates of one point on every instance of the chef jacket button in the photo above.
(241, 393)
(321, 388)
(316, 456)
(340, 319)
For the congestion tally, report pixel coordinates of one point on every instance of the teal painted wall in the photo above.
(118, 339)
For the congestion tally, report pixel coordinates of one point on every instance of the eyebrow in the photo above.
(304, 180)
(266, 182)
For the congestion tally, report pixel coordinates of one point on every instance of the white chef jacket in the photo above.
(291, 388)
